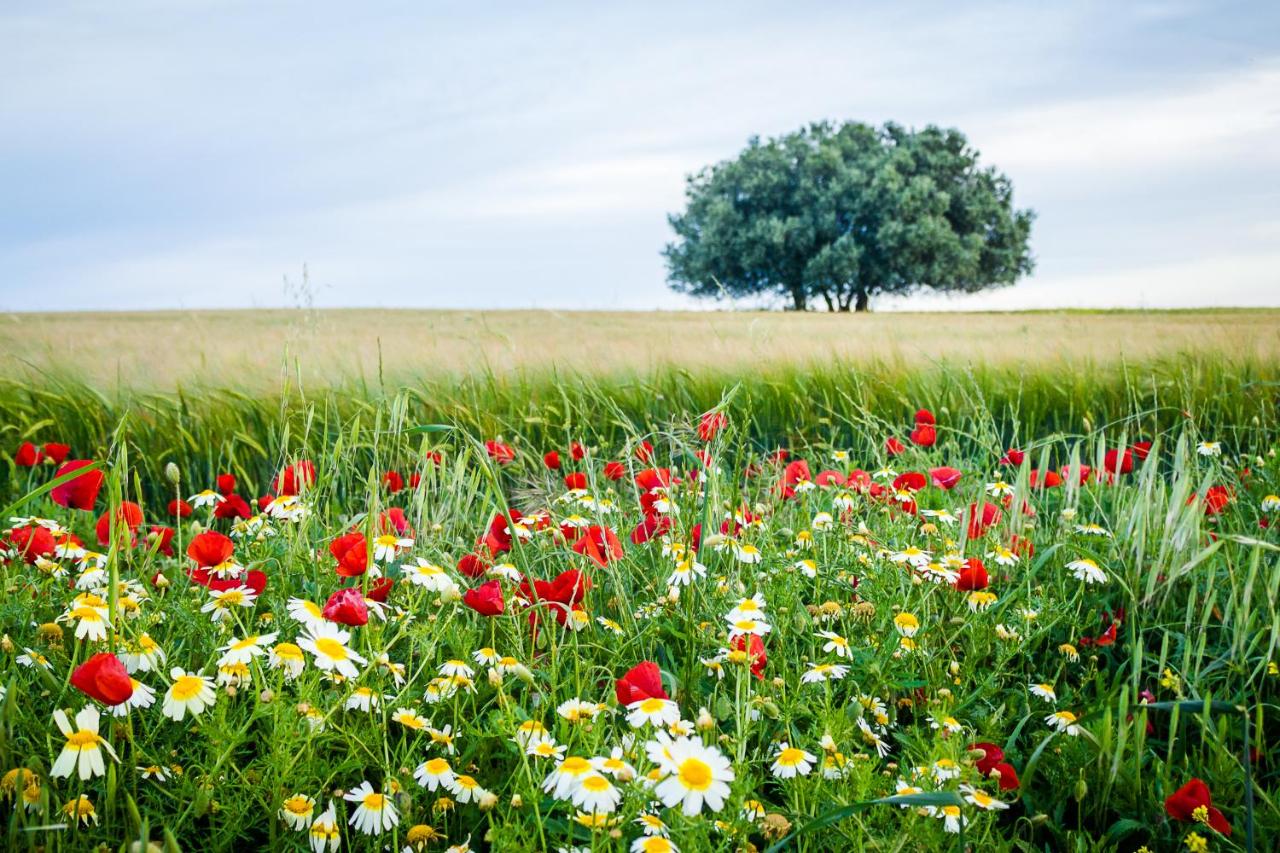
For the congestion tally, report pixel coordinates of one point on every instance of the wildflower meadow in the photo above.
(828, 609)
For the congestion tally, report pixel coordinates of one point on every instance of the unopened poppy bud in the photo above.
(161, 581)
(1082, 789)
(1040, 819)
(172, 474)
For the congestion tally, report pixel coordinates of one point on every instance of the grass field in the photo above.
(672, 629)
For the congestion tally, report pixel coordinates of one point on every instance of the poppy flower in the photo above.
(27, 456)
(1117, 461)
(993, 762)
(1012, 456)
(982, 520)
(393, 520)
(653, 478)
(1183, 804)
(103, 677)
(473, 565)
(32, 542)
(161, 538)
(226, 484)
(829, 478)
(973, 576)
(911, 481)
(575, 480)
(498, 537)
(347, 607)
(1081, 473)
(79, 492)
(1141, 450)
(924, 416)
(654, 524)
(614, 470)
(754, 647)
(599, 543)
(710, 425)
(577, 451)
(210, 549)
(232, 507)
(644, 452)
(925, 435)
(180, 508)
(380, 589)
(551, 459)
(254, 580)
(55, 452)
(501, 453)
(128, 514)
(642, 681)
(1215, 499)
(298, 476)
(945, 478)
(894, 446)
(485, 599)
(393, 481)
(351, 550)
(1050, 480)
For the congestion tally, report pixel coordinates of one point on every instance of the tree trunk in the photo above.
(863, 301)
(827, 297)
(797, 295)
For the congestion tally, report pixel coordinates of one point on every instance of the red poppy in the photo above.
(501, 453)
(993, 762)
(644, 452)
(894, 446)
(1215, 499)
(485, 599)
(55, 452)
(614, 470)
(473, 565)
(577, 451)
(551, 459)
(829, 478)
(79, 492)
(980, 521)
(1183, 803)
(32, 542)
(393, 481)
(945, 478)
(351, 550)
(973, 575)
(347, 607)
(298, 476)
(911, 481)
(232, 507)
(129, 514)
(599, 543)
(1012, 456)
(924, 416)
(393, 520)
(103, 677)
(754, 647)
(653, 478)
(1051, 479)
(642, 681)
(254, 580)
(575, 480)
(210, 549)
(161, 538)
(925, 435)
(710, 425)
(498, 537)
(1141, 450)
(1080, 473)
(226, 484)
(27, 456)
(180, 508)
(654, 524)
(1118, 462)
(380, 589)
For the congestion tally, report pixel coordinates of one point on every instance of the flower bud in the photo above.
(172, 474)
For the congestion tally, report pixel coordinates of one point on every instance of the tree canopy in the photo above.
(838, 214)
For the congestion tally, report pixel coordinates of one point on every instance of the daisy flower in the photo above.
(873, 738)
(83, 748)
(325, 831)
(952, 818)
(982, 799)
(1087, 570)
(206, 498)
(427, 575)
(91, 621)
(906, 624)
(614, 765)
(434, 773)
(789, 761)
(698, 775)
(328, 644)
(221, 601)
(819, 672)
(746, 553)
(189, 692)
(743, 625)
(310, 614)
(1063, 721)
(142, 655)
(466, 789)
(410, 719)
(652, 711)
(1044, 691)
(944, 769)
(296, 811)
(143, 696)
(389, 546)
(1209, 448)
(686, 572)
(835, 644)
(31, 657)
(651, 824)
(564, 779)
(530, 731)
(375, 813)
(596, 794)
(287, 657)
(81, 809)
(362, 699)
(1092, 529)
(545, 749)
(245, 650)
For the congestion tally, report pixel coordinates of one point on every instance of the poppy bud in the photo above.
(172, 474)
(1081, 790)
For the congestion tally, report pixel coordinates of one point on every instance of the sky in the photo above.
(526, 155)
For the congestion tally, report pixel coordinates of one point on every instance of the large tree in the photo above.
(841, 214)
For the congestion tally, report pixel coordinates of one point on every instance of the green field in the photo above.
(1164, 654)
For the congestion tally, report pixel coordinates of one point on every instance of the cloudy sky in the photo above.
(197, 154)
